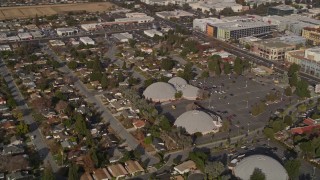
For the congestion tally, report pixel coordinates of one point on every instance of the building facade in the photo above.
(312, 35)
(271, 49)
(281, 10)
(236, 30)
(309, 60)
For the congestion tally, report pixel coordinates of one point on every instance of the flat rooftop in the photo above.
(241, 25)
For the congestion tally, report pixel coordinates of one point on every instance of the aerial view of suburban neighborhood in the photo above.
(160, 89)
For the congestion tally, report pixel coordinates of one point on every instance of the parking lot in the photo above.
(232, 98)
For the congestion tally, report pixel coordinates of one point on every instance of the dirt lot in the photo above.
(32, 11)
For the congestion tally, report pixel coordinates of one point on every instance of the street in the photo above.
(106, 114)
(38, 141)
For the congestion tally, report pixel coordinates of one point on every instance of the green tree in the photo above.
(293, 69)
(199, 159)
(80, 124)
(94, 157)
(268, 132)
(227, 12)
(238, 66)
(187, 73)
(48, 174)
(104, 81)
(292, 167)
(227, 68)
(167, 64)
(214, 169)
(178, 95)
(73, 173)
(214, 64)
(293, 80)
(22, 128)
(132, 43)
(148, 140)
(205, 74)
(288, 120)
(73, 65)
(288, 91)
(247, 46)
(148, 82)
(302, 89)
(37, 20)
(124, 65)
(165, 124)
(257, 175)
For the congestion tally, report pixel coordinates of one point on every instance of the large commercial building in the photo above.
(131, 18)
(166, 2)
(235, 27)
(273, 49)
(309, 60)
(162, 92)
(144, 19)
(293, 23)
(198, 121)
(201, 24)
(87, 40)
(152, 33)
(281, 10)
(271, 168)
(218, 5)
(67, 31)
(239, 29)
(312, 34)
(173, 14)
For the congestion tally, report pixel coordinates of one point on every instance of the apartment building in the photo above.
(312, 34)
(309, 60)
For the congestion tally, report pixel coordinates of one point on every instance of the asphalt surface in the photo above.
(106, 114)
(39, 141)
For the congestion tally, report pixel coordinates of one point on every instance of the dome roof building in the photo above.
(188, 92)
(177, 82)
(269, 166)
(160, 92)
(197, 121)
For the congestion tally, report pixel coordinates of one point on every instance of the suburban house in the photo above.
(185, 167)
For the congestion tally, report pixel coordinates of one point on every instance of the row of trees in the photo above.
(301, 86)
(217, 66)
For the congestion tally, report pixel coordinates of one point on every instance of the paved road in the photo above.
(93, 35)
(38, 141)
(106, 114)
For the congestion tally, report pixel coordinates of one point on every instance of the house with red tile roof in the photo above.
(138, 124)
(305, 129)
(309, 121)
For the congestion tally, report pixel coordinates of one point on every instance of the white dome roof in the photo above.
(269, 166)
(177, 82)
(160, 92)
(190, 92)
(195, 121)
